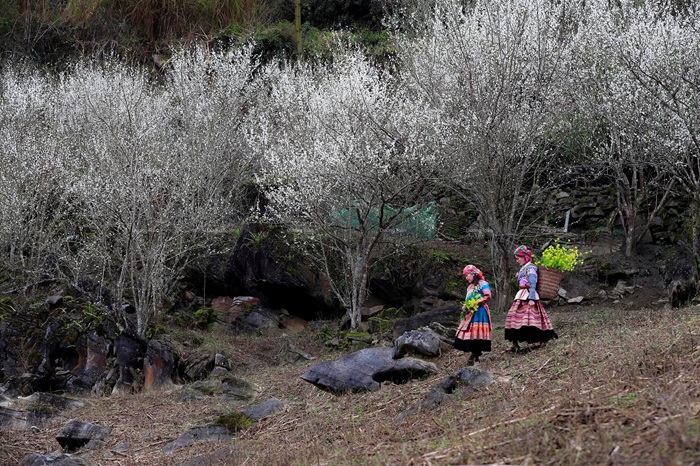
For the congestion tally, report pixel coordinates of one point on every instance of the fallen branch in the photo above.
(542, 366)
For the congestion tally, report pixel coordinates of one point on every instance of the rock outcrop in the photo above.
(365, 370)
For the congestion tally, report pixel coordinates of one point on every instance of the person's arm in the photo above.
(532, 280)
(485, 293)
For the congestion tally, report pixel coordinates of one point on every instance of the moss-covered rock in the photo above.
(234, 422)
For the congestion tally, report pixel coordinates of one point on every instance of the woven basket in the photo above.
(548, 282)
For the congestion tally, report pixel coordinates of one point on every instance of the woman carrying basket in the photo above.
(526, 319)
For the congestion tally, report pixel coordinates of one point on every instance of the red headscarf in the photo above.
(473, 270)
(524, 252)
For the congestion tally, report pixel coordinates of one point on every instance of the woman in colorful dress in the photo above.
(474, 331)
(526, 319)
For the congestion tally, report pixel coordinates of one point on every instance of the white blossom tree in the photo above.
(165, 168)
(493, 70)
(661, 52)
(32, 195)
(348, 159)
(142, 179)
(624, 145)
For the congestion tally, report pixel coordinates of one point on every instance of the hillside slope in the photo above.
(618, 387)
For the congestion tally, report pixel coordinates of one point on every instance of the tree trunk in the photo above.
(501, 256)
(627, 214)
(503, 283)
(694, 231)
(358, 292)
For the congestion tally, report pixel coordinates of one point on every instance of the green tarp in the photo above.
(415, 221)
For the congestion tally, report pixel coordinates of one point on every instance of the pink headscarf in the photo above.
(473, 270)
(524, 252)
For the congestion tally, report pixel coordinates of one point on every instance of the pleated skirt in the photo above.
(474, 332)
(528, 323)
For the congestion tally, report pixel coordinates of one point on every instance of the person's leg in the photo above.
(514, 347)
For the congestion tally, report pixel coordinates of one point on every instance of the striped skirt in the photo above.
(528, 323)
(474, 332)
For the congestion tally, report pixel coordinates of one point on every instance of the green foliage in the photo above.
(90, 318)
(6, 307)
(379, 325)
(237, 232)
(318, 43)
(204, 318)
(454, 285)
(327, 333)
(442, 257)
(358, 335)
(342, 13)
(256, 239)
(154, 331)
(91, 315)
(275, 41)
(392, 313)
(377, 43)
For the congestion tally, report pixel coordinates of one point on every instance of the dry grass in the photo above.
(618, 387)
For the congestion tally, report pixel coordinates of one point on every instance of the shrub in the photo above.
(204, 318)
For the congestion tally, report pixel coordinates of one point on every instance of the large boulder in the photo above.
(13, 336)
(423, 341)
(258, 319)
(231, 309)
(364, 370)
(60, 353)
(77, 434)
(446, 315)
